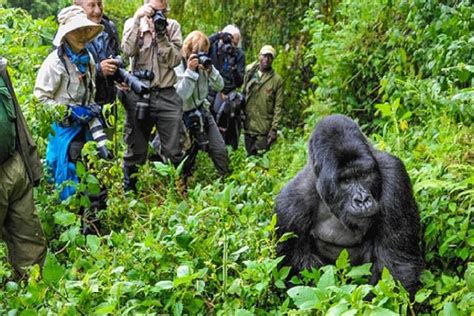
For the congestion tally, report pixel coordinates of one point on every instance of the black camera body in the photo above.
(197, 124)
(133, 81)
(160, 22)
(204, 60)
(143, 104)
(227, 47)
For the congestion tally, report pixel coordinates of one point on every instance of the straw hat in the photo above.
(267, 49)
(73, 18)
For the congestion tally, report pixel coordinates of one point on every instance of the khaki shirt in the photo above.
(54, 86)
(157, 54)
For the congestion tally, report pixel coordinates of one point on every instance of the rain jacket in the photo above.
(263, 100)
(25, 143)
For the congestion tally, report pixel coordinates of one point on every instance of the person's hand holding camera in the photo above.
(193, 62)
(109, 66)
(146, 10)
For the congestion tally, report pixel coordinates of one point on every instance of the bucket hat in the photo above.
(73, 18)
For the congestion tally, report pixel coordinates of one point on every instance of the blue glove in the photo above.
(81, 114)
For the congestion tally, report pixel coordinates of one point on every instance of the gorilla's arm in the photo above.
(397, 244)
(295, 207)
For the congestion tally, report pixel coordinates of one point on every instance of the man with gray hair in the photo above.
(228, 57)
(153, 42)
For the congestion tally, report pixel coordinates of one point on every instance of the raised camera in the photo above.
(159, 20)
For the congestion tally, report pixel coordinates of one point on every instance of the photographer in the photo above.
(154, 43)
(66, 77)
(104, 48)
(195, 75)
(228, 57)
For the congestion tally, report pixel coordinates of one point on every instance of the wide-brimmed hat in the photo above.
(72, 18)
(267, 49)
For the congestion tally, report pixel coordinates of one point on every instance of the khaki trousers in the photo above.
(20, 226)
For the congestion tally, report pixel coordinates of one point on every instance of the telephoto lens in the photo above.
(97, 130)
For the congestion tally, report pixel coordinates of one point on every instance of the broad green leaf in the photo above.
(469, 276)
(422, 295)
(93, 243)
(304, 297)
(183, 271)
(450, 309)
(337, 310)
(64, 218)
(360, 271)
(327, 279)
(342, 261)
(243, 312)
(52, 271)
(380, 311)
(164, 285)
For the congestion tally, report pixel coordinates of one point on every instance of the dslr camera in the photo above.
(204, 60)
(159, 20)
(197, 124)
(121, 75)
(227, 47)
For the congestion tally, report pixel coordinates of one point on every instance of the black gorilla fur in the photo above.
(350, 195)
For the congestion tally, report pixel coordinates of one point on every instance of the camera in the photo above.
(197, 123)
(204, 60)
(159, 20)
(143, 102)
(133, 81)
(98, 134)
(228, 47)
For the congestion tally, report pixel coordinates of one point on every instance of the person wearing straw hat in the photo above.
(66, 78)
(153, 42)
(20, 171)
(263, 89)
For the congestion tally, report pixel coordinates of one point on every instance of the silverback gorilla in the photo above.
(350, 195)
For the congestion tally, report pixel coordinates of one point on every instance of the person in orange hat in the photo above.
(263, 89)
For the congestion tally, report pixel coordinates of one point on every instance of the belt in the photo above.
(157, 89)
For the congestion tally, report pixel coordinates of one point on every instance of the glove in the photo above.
(81, 114)
(272, 136)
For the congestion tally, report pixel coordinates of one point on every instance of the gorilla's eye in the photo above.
(346, 180)
(365, 174)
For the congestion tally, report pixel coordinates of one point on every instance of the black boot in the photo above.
(130, 178)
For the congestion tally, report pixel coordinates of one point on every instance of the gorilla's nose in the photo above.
(363, 201)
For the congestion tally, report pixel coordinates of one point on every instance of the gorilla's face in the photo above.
(350, 186)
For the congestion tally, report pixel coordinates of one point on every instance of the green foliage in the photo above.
(403, 68)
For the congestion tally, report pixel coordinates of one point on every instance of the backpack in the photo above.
(7, 123)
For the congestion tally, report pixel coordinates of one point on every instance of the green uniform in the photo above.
(263, 103)
(20, 226)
